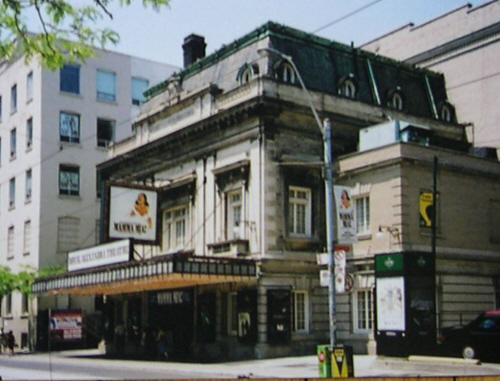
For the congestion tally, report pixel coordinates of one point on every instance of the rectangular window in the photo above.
(25, 304)
(234, 215)
(69, 180)
(0, 151)
(139, 86)
(8, 304)
(69, 127)
(0, 108)
(13, 143)
(28, 185)
(10, 242)
(27, 238)
(12, 193)
(105, 132)
(363, 215)
(29, 133)
(69, 79)
(363, 318)
(494, 220)
(300, 311)
(68, 230)
(299, 211)
(106, 86)
(13, 99)
(29, 86)
(175, 228)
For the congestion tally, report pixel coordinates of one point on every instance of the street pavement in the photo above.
(289, 367)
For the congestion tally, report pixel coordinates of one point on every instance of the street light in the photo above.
(326, 132)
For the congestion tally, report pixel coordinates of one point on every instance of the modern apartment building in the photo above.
(55, 126)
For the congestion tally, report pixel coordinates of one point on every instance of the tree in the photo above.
(7, 283)
(68, 32)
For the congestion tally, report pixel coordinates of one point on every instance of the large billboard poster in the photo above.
(66, 325)
(133, 213)
(346, 216)
(390, 304)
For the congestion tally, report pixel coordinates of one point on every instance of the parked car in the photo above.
(480, 339)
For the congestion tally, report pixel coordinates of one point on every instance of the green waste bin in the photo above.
(324, 361)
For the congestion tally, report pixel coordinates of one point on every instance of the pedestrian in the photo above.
(11, 343)
(161, 343)
(148, 342)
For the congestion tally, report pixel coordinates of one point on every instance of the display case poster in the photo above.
(390, 304)
(66, 325)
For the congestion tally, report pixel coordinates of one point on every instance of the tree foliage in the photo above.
(23, 280)
(67, 32)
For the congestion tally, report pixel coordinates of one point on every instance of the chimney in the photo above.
(194, 49)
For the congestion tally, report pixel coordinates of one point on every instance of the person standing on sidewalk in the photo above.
(11, 343)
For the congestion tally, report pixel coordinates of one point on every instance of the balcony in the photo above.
(234, 248)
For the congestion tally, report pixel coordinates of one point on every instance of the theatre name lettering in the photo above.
(114, 252)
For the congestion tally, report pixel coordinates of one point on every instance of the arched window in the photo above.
(395, 99)
(347, 87)
(246, 73)
(446, 112)
(286, 73)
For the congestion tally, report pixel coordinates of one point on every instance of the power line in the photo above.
(347, 16)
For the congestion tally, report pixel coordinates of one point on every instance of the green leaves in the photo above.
(67, 33)
(23, 280)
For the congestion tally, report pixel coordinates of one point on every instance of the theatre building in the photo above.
(213, 213)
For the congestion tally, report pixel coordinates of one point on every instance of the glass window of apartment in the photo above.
(68, 230)
(234, 215)
(106, 85)
(139, 86)
(300, 311)
(175, 228)
(12, 193)
(0, 108)
(28, 185)
(13, 99)
(24, 303)
(69, 180)
(69, 127)
(363, 310)
(69, 79)
(105, 132)
(10, 242)
(363, 215)
(13, 143)
(29, 86)
(29, 133)
(299, 211)
(286, 73)
(27, 238)
(8, 304)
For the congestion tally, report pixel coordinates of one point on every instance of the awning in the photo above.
(166, 272)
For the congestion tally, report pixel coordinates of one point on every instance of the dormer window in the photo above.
(246, 73)
(347, 87)
(285, 73)
(446, 112)
(395, 99)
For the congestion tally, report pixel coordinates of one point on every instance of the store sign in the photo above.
(102, 255)
(132, 213)
(173, 297)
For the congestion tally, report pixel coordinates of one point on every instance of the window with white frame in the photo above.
(69, 180)
(10, 242)
(232, 313)
(69, 127)
(139, 86)
(13, 99)
(105, 132)
(29, 86)
(175, 228)
(106, 85)
(363, 215)
(27, 238)
(286, 73)
(300, 311)
(12, 193)
(234, 204)
(363, 310)
(29, 133)
(69, 79)
(13, 143)
(68, 230)
(28, 185)
(299, 211)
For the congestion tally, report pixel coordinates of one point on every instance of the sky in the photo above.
(159, 36)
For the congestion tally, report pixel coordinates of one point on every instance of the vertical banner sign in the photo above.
(346, 216)
(425, 205)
